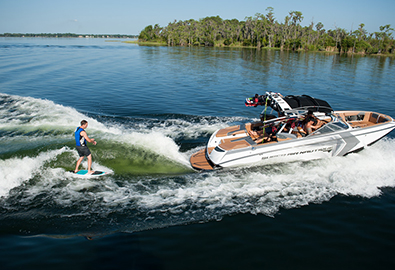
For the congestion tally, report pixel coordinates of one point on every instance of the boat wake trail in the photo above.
(37, 134)
(152, 185)
(29, 126)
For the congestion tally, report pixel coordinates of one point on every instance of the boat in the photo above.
(283, 137)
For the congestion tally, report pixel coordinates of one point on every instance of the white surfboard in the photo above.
(85, 173)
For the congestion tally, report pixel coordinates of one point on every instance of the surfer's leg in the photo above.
(90, 164)
(78, 164)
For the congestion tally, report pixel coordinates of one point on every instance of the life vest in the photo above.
(271, 130)
(79, 139)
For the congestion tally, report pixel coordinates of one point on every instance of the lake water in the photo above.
(150, 108)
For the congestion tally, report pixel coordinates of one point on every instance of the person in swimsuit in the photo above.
(81, 138)
(311, 123)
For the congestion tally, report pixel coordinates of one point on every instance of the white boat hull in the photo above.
(290, 136)
(309, 148)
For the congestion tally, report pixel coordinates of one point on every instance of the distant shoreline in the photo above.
(159, 43)
(66, 35)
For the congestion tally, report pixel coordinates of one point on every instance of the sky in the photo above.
(131, 16)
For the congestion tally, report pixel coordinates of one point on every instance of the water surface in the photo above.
(150, 108)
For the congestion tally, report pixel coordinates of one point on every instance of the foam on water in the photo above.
(34, 118)
(157, 200)
(30, 113)
(266, 190)
(212, 195)
(29, 123)
(15, 171)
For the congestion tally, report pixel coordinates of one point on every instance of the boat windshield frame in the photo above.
(336, 124)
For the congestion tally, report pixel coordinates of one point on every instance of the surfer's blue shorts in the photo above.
(83, 151)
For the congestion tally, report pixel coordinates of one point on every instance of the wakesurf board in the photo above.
(85, 173)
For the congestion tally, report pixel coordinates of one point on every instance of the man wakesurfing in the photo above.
(83, 151)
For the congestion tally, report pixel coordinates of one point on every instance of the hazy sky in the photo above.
(131, 16)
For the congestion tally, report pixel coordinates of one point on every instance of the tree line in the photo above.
(263, 30)
(66, 35)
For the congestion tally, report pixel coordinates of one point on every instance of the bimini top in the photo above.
(283, 104)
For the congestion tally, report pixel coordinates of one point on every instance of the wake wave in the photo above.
(37, 178)
(154, 201)
(15, 171)
(30, 127)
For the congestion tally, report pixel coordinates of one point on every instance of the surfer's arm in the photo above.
(91, 140)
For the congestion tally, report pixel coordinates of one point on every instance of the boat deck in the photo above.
(200, 162)
(361, 119)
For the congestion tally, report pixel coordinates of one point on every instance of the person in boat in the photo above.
(263, 135)
(256, 134)
(271, 133)
(81, 139)
(290, 126)
(310, 124)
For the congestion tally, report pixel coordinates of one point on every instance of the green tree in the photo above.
(263, 30)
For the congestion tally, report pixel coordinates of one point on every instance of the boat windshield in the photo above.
(337, 125)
